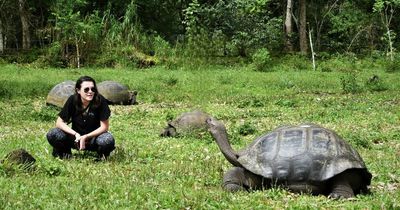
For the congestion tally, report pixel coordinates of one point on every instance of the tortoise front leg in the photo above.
(342, 185)
(240, 179)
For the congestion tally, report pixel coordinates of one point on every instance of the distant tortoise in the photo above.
(59, 94)
(116, 93)
(304, 158)
(186, 123)
(19, 157)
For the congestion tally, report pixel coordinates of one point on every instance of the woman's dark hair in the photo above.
(77, 98)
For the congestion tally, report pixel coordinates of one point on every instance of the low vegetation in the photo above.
(149, 172)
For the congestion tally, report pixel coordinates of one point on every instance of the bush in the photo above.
(393, 66)
(349, 83)
(52, 57)
(339, 63)
(296, 62)
(261, 60)
(246, 129)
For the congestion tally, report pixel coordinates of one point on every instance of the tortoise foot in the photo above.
(340, 195)
(233, 187)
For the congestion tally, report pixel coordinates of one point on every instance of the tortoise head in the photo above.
(215, 126)
(169, 131)
(132, 97)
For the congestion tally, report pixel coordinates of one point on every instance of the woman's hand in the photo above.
(77, 140)
(77, 137)
(82, 142)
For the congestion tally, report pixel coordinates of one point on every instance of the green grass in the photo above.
(148, 172)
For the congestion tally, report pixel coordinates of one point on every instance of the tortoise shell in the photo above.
(59, 94)
(116, 93)
(301, 153)
(187, 123)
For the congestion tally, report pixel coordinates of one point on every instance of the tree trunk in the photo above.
(78, 56)
(303, 27)
(1, 38)
(24, 15)
(312, 49)
(289, 26)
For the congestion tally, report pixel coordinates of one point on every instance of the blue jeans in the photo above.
(62, 143)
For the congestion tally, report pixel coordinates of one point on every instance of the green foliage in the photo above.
(250, 102)
(5, 92)
(380, 5)
(171, 81)
(126, 44)
(199, 31)
(123, 56)
(375, 83)
(14, 89)
(261, 60)
(346, 25)
(246, 129)
(45, 114)
(130, 27)
(392, 66)
(294, 62)
(53, 57)
(223, 28)
(338, 63)
(286, 103)
(77, 35)
(349, 83)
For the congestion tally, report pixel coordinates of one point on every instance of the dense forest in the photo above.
(76, 33)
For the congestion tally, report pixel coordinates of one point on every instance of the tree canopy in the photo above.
(83, 32)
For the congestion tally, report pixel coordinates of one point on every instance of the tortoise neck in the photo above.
(221, 138)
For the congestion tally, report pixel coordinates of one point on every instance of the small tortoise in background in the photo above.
(305, 158)
(116, 93)
(20, 157)
(186, 123)
(59, 94)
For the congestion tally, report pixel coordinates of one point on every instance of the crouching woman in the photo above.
(89, 114)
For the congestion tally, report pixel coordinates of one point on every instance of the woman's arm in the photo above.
(104, 125)
(63, 126)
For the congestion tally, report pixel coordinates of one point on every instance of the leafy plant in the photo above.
(250, 102)
(246, 129)
(286, 103)
(171, 81)
(261, 60)
(349, 83)
(392, 66)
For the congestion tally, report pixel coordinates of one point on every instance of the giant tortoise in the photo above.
(20, 157)
(304, 158)
(116, 93)
(187, 123)
(59, 94)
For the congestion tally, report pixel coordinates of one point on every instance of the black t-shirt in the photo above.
(88, 120)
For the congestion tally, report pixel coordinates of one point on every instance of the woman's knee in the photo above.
(105, 144)
(105, 139)
(55, 135)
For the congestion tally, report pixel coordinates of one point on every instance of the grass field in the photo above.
(149, 172)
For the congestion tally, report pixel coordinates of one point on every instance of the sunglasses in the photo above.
(93, 89)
